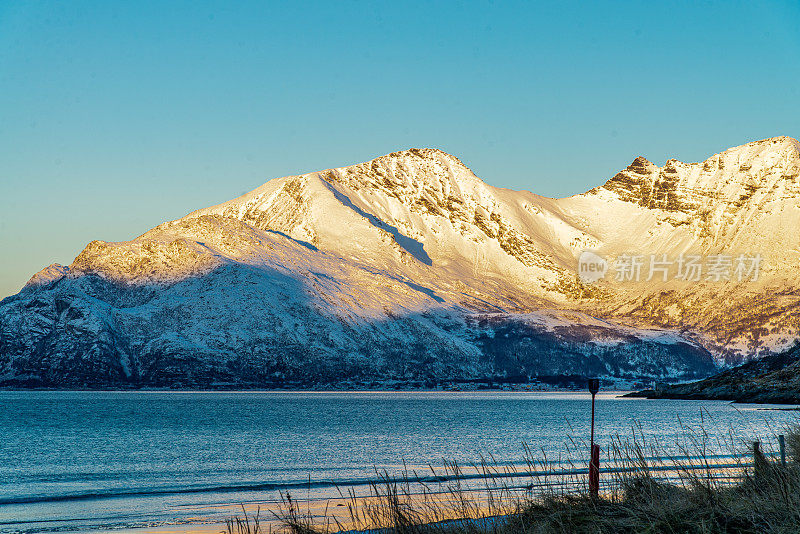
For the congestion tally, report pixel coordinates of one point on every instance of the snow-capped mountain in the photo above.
(410, 268)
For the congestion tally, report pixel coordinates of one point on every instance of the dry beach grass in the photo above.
(688, 493)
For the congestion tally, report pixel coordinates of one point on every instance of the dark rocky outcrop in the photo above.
(772, 379)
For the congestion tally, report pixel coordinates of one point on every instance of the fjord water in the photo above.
(104, 460)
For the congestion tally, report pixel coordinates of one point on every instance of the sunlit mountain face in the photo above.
(409, 270)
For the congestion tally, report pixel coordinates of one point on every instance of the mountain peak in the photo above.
(414, 169)
(425, 153)
(763, 148)
(412, 158)
(641, 165)
(782, 141)
(50, 273)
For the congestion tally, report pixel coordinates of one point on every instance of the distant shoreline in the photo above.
(558, 383)
(619, 392)
(744, 397)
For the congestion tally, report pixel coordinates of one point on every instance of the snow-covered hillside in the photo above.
(409, 268)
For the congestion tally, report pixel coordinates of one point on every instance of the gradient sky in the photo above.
(116, 116)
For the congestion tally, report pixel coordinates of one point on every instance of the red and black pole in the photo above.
(594, 461)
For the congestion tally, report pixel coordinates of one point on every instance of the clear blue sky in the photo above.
(116, 116)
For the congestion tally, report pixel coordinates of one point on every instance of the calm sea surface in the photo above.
(74, 461)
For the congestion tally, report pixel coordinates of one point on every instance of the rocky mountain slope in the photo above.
(410, 269)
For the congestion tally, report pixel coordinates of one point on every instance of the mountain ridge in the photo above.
(413, 249)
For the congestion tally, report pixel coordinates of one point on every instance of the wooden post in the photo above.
(594, 458)
(594, 472)
(782, 443)
(758, 460)
(591, 434)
